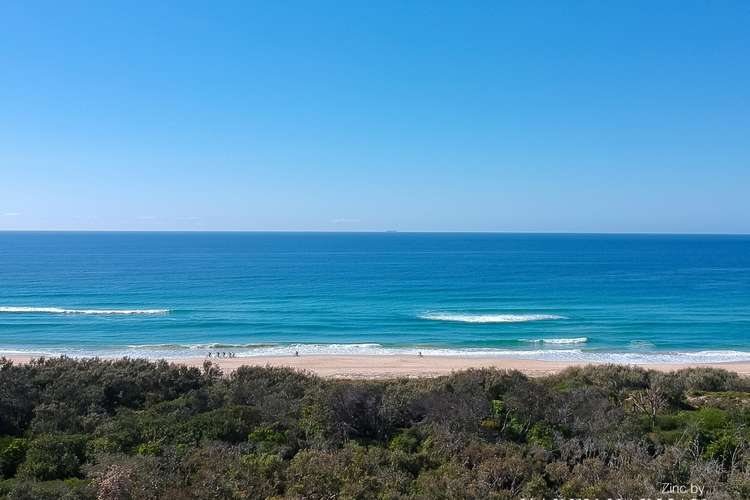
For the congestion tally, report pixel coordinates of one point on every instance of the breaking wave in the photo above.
(576, 340)
(60, 310)
(178, 351)
(572, 355)
(212, 345)
(488, 318)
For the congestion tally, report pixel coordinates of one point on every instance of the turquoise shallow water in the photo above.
(619, 298)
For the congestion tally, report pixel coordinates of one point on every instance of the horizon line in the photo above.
(382, 231)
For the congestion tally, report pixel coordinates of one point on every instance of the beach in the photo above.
(383, 367)
(428, 366)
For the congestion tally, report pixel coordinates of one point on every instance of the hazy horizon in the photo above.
(353, 231)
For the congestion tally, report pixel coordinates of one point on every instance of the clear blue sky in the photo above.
(478, 116)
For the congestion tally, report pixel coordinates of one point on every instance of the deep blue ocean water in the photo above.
(541, 296)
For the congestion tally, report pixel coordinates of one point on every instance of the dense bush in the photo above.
(130, 429)
(54, 456)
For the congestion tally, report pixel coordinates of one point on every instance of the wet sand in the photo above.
(410, 366)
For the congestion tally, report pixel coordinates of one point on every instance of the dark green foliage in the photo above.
(69, 489)
(54, 456)
(406, 441)
(130, 429)
(231, 424)
(12, 453)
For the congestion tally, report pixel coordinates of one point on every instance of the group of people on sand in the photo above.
(222, 354)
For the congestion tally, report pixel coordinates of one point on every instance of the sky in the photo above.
(582, 116)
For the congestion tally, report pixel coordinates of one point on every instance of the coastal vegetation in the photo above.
(133, 429)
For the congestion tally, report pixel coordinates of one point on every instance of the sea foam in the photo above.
(60, 310)
(176, 351)
(575, 340)
(488, 318)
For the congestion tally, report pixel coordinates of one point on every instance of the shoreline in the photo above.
(381, 367)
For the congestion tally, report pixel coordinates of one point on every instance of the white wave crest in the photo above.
(488, 318)
(60, 310)
(575, 340)
(154, 351)
(561, 355)
(212, 345)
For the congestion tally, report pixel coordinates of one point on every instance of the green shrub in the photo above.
(232, 424)
(267, 434)
(722, 448)
(69, 489)
(669, 422)
(542, 435)
(54, 456)
(12, 453)
(711, 419)
(315, 474)
(406, 441)
(152, 448)
(449, 481)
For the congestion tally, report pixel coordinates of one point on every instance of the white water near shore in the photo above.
(173, 351)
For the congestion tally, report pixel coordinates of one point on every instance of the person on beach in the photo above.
(420, 354)
(296, 354)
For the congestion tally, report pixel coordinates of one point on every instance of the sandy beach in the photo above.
(407, 366)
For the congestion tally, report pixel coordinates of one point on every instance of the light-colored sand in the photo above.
(410, 366)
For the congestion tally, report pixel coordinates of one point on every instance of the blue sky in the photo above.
(474, 116)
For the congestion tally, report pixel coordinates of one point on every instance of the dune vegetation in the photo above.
(133, 429)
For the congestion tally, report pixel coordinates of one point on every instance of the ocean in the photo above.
(615, 298)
